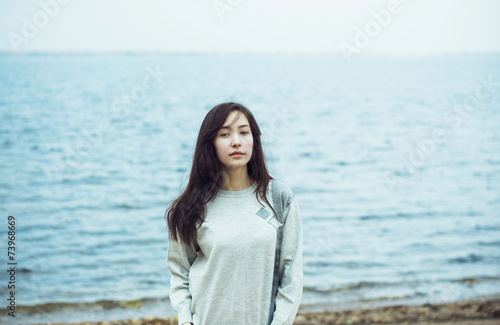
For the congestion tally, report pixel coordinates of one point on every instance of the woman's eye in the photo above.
(242, 132)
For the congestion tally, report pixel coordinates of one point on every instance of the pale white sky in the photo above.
(314, 26)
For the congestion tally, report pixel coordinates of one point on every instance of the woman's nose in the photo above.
(236, 140)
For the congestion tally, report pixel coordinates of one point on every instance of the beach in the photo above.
(485, 312)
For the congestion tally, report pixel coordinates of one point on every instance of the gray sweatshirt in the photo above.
(226, 277)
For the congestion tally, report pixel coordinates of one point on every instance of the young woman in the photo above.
(225, 241)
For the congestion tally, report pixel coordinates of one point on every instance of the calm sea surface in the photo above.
(395, 164)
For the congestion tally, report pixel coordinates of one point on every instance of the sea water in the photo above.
(395, 163)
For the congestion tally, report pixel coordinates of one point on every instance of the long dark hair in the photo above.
(205, 179)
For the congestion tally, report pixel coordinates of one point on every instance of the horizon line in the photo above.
(129, 52)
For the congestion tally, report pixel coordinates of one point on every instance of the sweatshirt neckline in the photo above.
(239, 193)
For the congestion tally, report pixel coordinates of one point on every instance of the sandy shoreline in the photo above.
(486, 312)
(469, 312)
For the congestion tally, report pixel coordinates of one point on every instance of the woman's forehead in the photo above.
(235, 117)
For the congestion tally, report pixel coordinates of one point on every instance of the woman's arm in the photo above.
(290, 290)
(180, 257)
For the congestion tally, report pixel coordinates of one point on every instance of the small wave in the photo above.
(487, 227)
(352, 286)
(489, 243)
(358, 265)
(474, 280)
(471, 258)
(51, 307)
(125, 206)
(7, 143)
(419, 244)
(397, 215)
(370, 285)
(370, 217)
(346, 264)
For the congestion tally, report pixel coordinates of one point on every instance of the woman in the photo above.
(224, 242)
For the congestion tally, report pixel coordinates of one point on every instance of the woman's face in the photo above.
(235, 135)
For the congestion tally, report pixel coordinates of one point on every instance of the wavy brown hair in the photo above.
(205, 179)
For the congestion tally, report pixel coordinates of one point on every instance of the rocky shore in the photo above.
(464, 313)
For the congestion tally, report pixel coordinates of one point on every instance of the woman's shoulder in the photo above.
(281, 187)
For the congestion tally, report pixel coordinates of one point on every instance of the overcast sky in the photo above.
(314, 26)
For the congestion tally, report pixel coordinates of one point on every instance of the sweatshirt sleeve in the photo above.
(290, 290)
(180, 257)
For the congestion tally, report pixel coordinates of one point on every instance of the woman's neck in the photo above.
(236, 181)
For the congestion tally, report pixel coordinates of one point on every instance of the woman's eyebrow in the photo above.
(227, 126)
